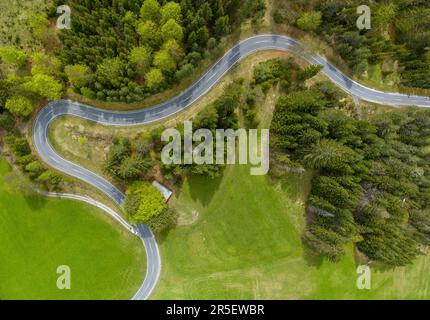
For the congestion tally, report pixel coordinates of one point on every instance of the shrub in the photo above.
(310, 21)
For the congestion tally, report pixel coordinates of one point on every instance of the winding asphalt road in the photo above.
(182, 101)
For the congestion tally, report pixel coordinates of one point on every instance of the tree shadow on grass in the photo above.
(202, 188)
(168, 221)
(35, 201)
(311, 259)
(17, 184)
(161, 236)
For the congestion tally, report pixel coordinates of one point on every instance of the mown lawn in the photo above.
(245, 244)
(39, 234)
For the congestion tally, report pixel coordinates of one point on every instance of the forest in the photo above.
(371, 180)
(125, 51)
(396, 48)
(116, 51)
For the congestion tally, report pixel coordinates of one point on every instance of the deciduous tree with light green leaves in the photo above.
(164, 62)
(46, 86)
(144, 202)
(141, 59)
(110, 68)
(39, 25)
(50, 179)
(150, 10)
(78, 75)
(154, 78)
(12, 56)
(42, 63)
(172, 30)
(310, 21)
(171, 10)
(149, 33)
(19, 106)
(174, 49)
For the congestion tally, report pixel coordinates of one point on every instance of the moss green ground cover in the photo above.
(245, 244)
(39, 234)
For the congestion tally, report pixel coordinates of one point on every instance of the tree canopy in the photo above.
(19, 106)
(125, 44)
(144, 202)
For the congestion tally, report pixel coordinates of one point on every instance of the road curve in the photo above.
(182, 101)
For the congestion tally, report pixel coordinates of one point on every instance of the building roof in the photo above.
(166, 192)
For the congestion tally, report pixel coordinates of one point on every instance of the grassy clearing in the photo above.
(245, 244)
(39, 234)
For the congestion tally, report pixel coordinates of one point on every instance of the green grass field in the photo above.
(39, 234)
(242, 241)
